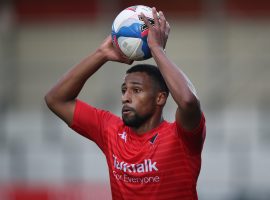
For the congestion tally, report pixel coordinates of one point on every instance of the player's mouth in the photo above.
(126, 110)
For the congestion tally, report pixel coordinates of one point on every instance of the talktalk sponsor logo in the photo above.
(146, 166)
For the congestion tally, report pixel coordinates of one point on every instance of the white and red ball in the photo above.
(129, 32)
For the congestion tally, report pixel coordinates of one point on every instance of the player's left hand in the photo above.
(159, 32)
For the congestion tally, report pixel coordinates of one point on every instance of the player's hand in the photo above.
(159, 32)
(111, 53)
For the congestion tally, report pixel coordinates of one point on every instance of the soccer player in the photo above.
(148, 157)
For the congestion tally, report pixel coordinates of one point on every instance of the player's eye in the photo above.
(123, 90)
(137, 90)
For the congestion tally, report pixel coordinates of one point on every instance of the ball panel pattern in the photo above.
(129, 32)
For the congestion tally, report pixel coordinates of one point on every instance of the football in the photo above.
(129, 32)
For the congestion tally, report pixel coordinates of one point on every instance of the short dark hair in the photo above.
(153, 72)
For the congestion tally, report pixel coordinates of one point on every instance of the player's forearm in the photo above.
(180, 87)
(70, 85)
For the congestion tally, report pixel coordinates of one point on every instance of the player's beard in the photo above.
(135, 120)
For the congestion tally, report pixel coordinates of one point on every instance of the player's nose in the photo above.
(126, 97)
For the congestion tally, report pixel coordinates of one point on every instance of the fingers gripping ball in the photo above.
(129, 32)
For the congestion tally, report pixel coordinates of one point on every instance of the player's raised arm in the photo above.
(61, 97)
(188, 113)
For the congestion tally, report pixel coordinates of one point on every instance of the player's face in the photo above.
(138, 99)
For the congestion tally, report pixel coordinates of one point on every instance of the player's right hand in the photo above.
(111, 53)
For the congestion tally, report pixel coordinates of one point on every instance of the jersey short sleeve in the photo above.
(91, 122)
(193, 139)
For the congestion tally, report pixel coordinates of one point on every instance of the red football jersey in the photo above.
(163, 163)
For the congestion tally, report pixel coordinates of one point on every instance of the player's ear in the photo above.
(161, 98)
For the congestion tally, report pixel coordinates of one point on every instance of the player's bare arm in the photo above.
(188, 113)
(61, 97)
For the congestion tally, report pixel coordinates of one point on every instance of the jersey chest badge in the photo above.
(123, 136)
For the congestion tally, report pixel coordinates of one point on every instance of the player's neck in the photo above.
(147, 126)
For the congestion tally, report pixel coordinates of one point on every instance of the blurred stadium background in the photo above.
(223, 46)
